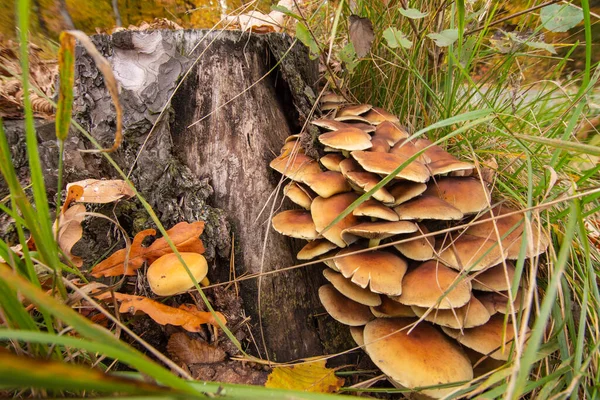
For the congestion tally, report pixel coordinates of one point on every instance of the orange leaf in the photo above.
(69, 222)
(185, 237)
(102, 191)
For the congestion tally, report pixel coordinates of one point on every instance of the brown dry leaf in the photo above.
(68, 227)
(163, 314)
(309, 377)
(103, 191)
(361, 34)
(185, 350)
(184, 235)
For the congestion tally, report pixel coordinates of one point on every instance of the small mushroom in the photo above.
(380, 230)
(468, 316)
(471, 253)
(167, 275)
(374, 209)
(350, 290)
(342, 309)
(406, 190)
(427, 207)
(324, 211)
(295, 223)
(392, 309)
(298, 195)
(377, 115)
(353, 110)
(379, 145)
(391, 132)
(332, 161)
(365, 181)
(295, 166)
(315, 249)
(386, 163)
(495, 279)
(327, 183)
(357, 333)
(347, 139)
(469, 195)
(420, 248)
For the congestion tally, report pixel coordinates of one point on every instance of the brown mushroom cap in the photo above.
(407, 149)
(352, 118)
(386, 163)
(167, 275)
(332, 98)
(392, 309)
(315, 249)
(357, 333)
(425, 286)
(448, 165)
(469, 195)
(423, 357)
(498, 302)
(379, 145)
(298, 195)
(332, 161)
(468, 316)
(349, 165)
(346, 139)
(420, 248)
(427, 207)
(495, 279)
(350, 290)
(342, 309)
(377, 115)
(391, 132)
(295, 223)
(330, 106)
(324, 211)
(365, 181)
(380, 229)
(380, 270)
(327, 183)
(355, 109)
(471, 253)
(374, 209)
(289, 146)
(405, 190)
(333, 125)
(487, 338)
(295, 166)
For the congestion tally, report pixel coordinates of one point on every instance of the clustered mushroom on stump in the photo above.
(425, 309)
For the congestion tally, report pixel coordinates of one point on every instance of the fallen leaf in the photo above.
(560, 17)
(185, 350)
(309, 377)
(68, 227)
(103, 191)
(185, 237)
(361, 34)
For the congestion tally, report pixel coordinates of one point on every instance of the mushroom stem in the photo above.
(374, 242)
(204, 282)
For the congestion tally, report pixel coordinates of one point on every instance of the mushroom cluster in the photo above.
(426, 308)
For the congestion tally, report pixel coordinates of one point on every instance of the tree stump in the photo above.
(207, 158)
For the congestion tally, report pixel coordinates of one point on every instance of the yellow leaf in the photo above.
(309, 377)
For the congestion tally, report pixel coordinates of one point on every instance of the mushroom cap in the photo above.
(333, 125)
(342, 309)
(353, 110)
(167, 275)
(377, 115)
(357, 333)
(391, 132)
(386, 163)
(448, 165)
(471, 253)
(469, 195)
(487, 338)
(327, 183)
(380, 270)
(295, 223)
(289, 146)
(349, 165)
(332, 161)
(407, 149)
(468, 316)
(425, 286)
(425, 357)
(494, 279)
(330, 106)
(352, 291)
(315, 249)
(379, 145)
(406, 190)
(421, 248)
(427, 207)
(392, 309)
(324, 211)
(352, 118)
(380, 229)
(365, 181)
(374, 209)
(295, 166)
(298, 195)
(346, 139)
(498, 302)
(332, 98)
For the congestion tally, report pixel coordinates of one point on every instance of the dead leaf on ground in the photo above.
(163, 314)
(309, 377)
(186, 350)
(258, 22)
(185, 237)
(68, 228)
(103, 191)
(229, 372)
(361, 34)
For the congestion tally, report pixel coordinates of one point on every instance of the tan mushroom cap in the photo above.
(380, 229)
(487, 338)
(386, 163)
(352, 118)
(420, 248)
(292, 145)
(324, 211)
(374, 209)
(471, 253)
(448, 165)
(365, 181)
(381, 271)
(350, 290)
(498, 302)
(332, 161)
(405, 190)
(333, 125)
(426, 286)
(379, 145)
(346, 139)
(357, 333)
(330, 106)
(298, 195)
(407, 149)
(511, 228)
(327, 183)
(295, 166)
(377, 115)
(315, 249)
(469, 195)
(353, 110)
(495, 279)
(470, 315)
(392, 309)
(167, 275)
(391, 132)
(349, 165)
(342, 309)
(332, 98)
(427, 207)
(295, 223)
(425, 357)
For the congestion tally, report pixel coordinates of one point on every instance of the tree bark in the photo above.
(208, 157)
